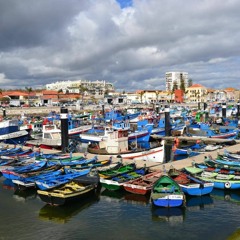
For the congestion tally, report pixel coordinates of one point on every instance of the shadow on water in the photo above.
(25, 195)
(62, 214)
(112, 196)
(122, 195)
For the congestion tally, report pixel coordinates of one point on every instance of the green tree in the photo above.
(190, 82)
(182, 84)
(174, 87)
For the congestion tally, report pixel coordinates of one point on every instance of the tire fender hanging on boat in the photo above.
(227, 185)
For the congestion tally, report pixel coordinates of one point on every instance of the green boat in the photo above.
(167, 193)
(116, 183)
(110, 173)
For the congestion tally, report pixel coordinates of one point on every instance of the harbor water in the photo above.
(117, 215)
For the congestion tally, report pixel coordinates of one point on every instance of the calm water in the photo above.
(117, 215)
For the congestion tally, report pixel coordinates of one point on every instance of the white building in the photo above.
(96, 88)
(172, 77)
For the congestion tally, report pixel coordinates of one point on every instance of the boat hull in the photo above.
(197, 189)
(60, 198)
(171, 200)
(154, 154)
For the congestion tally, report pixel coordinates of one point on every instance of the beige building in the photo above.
(196, 93)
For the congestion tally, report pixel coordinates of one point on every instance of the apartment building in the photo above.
(176, 77)
(95, 88)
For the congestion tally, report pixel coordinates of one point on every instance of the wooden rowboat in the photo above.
(142, 185)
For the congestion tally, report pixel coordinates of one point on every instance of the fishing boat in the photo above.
(142, 185)
(110, 173)
(56, 181)
(24, 183)
(50, 138)
(10, 132)
(167, 193)
(220, 180)
(29, 169)
(116, 183)
(214, 133)
(71, 191)
(189, 184)
(117, 144)
(98, 135)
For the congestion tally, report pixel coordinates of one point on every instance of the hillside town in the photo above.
(179, 89)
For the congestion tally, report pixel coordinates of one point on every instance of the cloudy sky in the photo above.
(131, 43)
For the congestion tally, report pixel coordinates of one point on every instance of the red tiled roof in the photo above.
(14, 93)
(49, 92)
(230, 89)
(197, 85)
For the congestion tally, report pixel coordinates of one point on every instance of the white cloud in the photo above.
(132, 47)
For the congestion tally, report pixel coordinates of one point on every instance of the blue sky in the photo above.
(124, 3)
(131, 44)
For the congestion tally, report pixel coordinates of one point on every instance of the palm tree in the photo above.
(29, 90)
(141, 95)
(58, 93)
(157, 95)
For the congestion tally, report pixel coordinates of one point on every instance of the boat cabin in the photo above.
(116, 141)
(51, 132)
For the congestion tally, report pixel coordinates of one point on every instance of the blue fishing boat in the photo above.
(189, 184)
(116, 115)
(16, 172)
(220, 180)
(29, 182)
(50, 183)
(167, 193)
(10, 132)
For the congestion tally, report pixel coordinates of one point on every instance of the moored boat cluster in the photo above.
(60, 178)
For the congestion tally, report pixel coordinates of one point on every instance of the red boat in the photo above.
(144, 184)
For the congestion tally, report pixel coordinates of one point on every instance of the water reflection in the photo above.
(176, 215)
(25, 195)
(235, 235)
(137, 199)
(226, 195)
(62, 214)
(122, 195)
(8, 184)
(112, 196)
(198, 202)
(173, 215)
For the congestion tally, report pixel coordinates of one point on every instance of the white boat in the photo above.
(50, 138)
(10, 132)
(116, 143)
